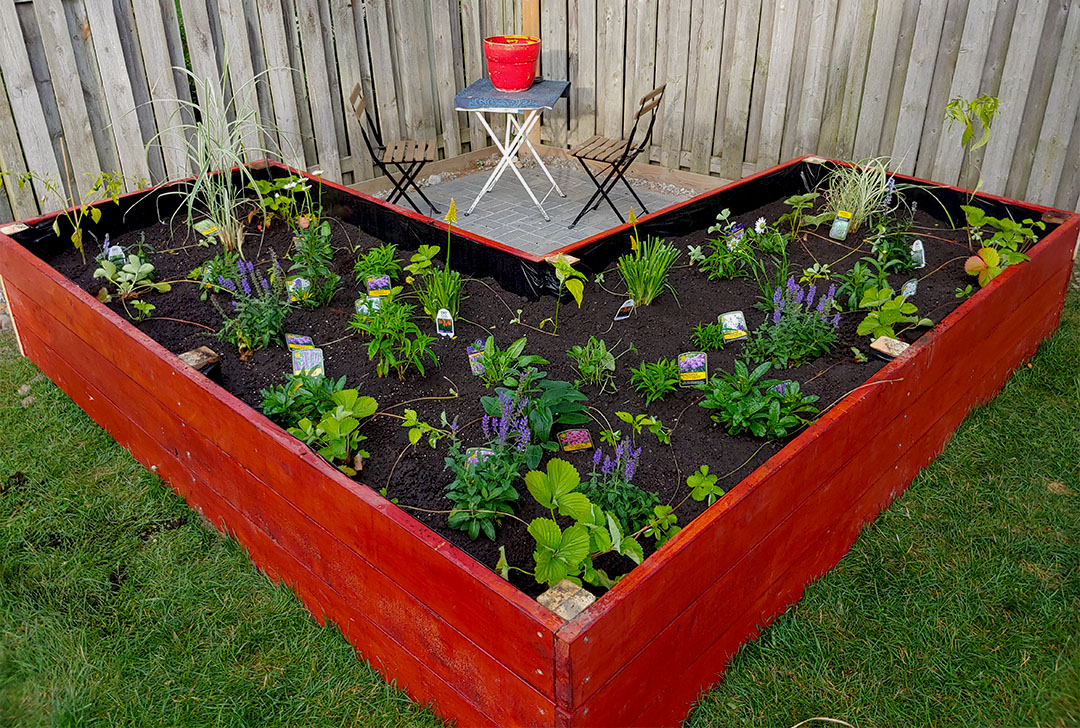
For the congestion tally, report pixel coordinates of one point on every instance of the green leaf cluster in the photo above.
(886, 312)
(436, 287)
(336, 436)
(595, 364)
(708, 337)
(703, 486)
(655, 380)
(132, 279)
(312, 255)
(397, 343)
(482, 493)
(645, 270)
(300, 396)
(378, 261)
(505, 366)
(747, 403)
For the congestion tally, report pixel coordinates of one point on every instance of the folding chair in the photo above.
(619, 153)
(412, 154)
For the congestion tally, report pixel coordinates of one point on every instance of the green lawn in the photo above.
(960, 606)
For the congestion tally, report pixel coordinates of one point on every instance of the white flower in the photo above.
(290, 185)
(759, 226)
(317, 172)
(305, 188)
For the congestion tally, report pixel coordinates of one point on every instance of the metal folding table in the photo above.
(481, 96)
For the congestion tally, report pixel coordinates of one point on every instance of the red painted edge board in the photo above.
(803, 533)
(404, 619)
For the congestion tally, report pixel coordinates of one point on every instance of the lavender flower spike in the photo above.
(776, 315)
(596, 457)
(835, 321)
(810, 294)
(777, 297)
(608, 465)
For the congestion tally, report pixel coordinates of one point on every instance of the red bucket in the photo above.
(512, 61)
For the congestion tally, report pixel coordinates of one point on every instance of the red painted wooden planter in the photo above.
(449, 630)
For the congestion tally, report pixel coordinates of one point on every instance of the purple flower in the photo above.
(246, 285)
(791, 287)
(776, 316)
(780, 388)
(810, 294)
(486, 424)
(835, 321)
(777, 297)
(831, 293)
(630, 464)
(821, 304)
(596, 458)
(226, 283)
(608, 465)
(799, 294)
(264, 283)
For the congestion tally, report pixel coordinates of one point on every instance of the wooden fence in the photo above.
(90, 85)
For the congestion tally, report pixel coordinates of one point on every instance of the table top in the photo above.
(483, 96)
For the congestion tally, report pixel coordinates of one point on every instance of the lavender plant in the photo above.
(800, 330)
(259, 307)
(482, 490)
(610, 486)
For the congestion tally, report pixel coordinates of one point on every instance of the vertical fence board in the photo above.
(385, 106)
(319, 94)
(675, 96)
(286, 114)
(446, 86)
(739, 88)
(871, 116)
(703, 107)
(795, 79)
(472, 40)
(241, 74)
(21, 199)
(761, 78)
(813, 92)
(140, 87)
(155, 52)
(553, 33)
(611, 24)
(352, 68)
(776, 89)
(898, 79)
(944, 69)
(856, 79)
(837, 82)
(920, 73)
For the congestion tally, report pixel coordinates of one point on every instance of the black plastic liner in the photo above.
(519, 275)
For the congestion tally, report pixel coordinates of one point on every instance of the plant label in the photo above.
(918, 254)
(909, 288)
(444, 323)
(625, 310)
(205, 228)
(299, 289)
(733, 324)
(295, 341)
(571, 440)
(367, 305)
(474, 351)
(735, 235)
(114, 253)
(308, 362)
(693, 368)
(378, 286)
(887, 348)
(839, 228)
(476, 455)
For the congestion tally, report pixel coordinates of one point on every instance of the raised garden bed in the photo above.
(438, 620)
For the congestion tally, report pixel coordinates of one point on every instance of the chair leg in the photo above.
(399, 185)
(595, 195)
(410, 179)
(622, 173)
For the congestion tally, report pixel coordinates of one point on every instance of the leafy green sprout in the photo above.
(571, 280)
(886, 312)
(980, 112)
(639, 423)
(703, 486)
(132, 279)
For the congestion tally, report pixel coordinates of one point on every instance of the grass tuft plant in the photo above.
(645, 270)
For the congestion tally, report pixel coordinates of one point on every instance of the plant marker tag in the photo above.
(918, 254)
(474, 350)
(839, 228)
(204, 360)
(625, 310)
(735, 235)
(295, 341)
(733, 324)
(308, 362)
(114, 253)
(205, 228)
(476, 455)
(367, 305)
(566, 599)
(888, 349)
(693, 368)
(572, 440)
(444, 323)
(299, 289)
(377, 285)
(909, 288)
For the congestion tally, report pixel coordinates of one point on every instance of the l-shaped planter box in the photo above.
(447, 628)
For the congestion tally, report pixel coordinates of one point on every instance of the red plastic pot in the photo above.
(512, 61)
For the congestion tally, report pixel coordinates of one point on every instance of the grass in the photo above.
(957, 607)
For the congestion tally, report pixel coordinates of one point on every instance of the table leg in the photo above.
(540, 163)
(509, 153)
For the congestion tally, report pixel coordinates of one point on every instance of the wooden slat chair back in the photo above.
(619, 154)
(406, 155)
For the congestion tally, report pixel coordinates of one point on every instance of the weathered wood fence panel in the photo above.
(92, 85)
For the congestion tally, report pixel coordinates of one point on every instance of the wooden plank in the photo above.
(1015, 83)
(299, 83)
(64, 74)
(610, 25)
(971, 57)
(703, 108)
(905, 147)
(640, 56)
(776, 88)
(472, 41)
(836, 78)
(693, 61)
(39, 67)
(554, 59)
(155, 52)
(944, 70)
(445, 84)
(1068, 190)
(856, 80)
(580, 32)
(727, 60)
(353, 68)
(761, 77)
(386, 105)
(878, 71)
(813, 88)
(900, 69)
(739, 88)
(795, 82)
(318, 91)
(410, 42)
(241, 72)
(127, 39)
(26, 108)
(1042, 78)
(337, 96)
(203, 58)
(677, 42)
(286, 113)
(20, 200)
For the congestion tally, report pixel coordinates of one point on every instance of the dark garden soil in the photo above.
(416, 479)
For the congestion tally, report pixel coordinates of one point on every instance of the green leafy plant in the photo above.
(865, 274)
(800, 330)
(277, 200)
(663, 525)
(858, 355)
(816, 272)
(1009, 237)
(419, 429)
(504, 366)
(886, 311)
(640, 423)
(861, 189)
(695, 254)
(259, 308)
(300, 396)
(545, 403)
(144, 308)
(595, 363)
(221, 266)
(655, 380)
(963, 292)
(436, 288)
(74, 210)
(985, 265)
(746, 402)
(610, 437)
(569, 279)
(703, 486)
(797, 217)
(980, 110)
(397, 343)
(645, 270)
(891, 241)
(133, 279)
(312, 256)
(610, 486)
(708, 337)
(378, 261)
(336, 437)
